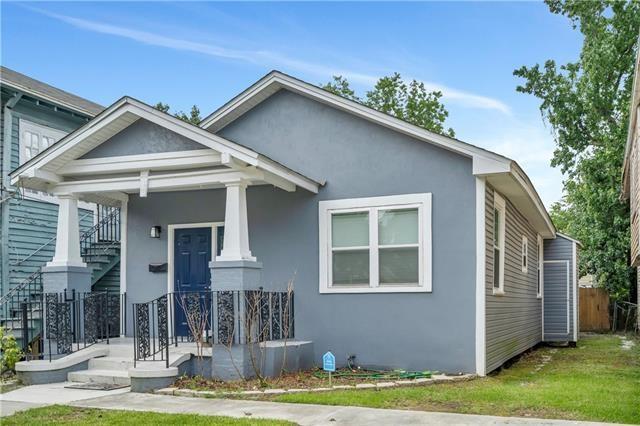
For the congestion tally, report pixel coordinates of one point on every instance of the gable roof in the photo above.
(46, 92)
(486, 163)
(123, 113)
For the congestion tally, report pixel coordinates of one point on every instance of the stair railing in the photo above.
(102, 236)
(31, 282)
(22, 310)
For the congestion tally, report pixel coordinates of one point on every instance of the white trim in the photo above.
(575, 292)
(171, 241)
(157, 182)
(124, 215)
(129, 110)
(481, 247)
(131, 163)
(524, 255)
(372, 204)
(566, 237)
(499, 204)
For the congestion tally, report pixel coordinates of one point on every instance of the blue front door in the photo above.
(192, 276)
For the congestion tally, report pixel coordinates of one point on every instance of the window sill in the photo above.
(498, 292)
(539, 296)
(390, 289)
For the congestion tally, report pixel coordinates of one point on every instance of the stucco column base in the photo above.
(235, 275)
(56, 279)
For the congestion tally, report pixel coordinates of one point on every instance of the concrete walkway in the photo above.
(303, 414)
(40, 395)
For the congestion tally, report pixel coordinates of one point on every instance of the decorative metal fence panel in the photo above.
(210, 317)
(75, 321)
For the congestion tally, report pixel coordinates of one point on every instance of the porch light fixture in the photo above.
(155, 231)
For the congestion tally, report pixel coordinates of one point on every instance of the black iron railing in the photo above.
(21, 313)
(75, 321)
(210, 317)
(103, 236)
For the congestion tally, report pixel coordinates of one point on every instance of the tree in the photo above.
(586, 103)
(392, 95)
(193, 117)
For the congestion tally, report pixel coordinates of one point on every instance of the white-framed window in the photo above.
(525, 254)
(540, 266)
(377, 244)
(35, 138)
(499, 218)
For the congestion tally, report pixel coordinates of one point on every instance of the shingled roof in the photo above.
(38, 89)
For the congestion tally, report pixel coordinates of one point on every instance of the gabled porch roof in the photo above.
(61, 170)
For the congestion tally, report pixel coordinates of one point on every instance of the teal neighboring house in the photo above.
(34, 116)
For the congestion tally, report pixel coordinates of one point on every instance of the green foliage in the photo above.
(392, 95)
(587, 105)
(193, 117)
(10, 353)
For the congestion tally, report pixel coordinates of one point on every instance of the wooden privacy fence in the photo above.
(594, 309)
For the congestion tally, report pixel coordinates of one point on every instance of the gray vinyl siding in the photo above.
(555, 314)
(513, 320)
(31, 227)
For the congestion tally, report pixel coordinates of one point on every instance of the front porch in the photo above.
(187, 273)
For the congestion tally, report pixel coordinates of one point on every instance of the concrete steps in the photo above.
(110, 377)
(104, 370)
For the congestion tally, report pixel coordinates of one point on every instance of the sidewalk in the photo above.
(40, 395)
(303, 414)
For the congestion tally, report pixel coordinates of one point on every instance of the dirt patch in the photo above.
(300, 380)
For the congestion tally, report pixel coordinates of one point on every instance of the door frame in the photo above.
(171, 249)
(568, 265)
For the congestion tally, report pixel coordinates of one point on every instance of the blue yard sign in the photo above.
(329, 362)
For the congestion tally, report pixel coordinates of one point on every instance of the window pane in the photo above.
(398, 226)
(350, 229)
(496, 268)
(496, 227)
(398, 265)
(34, 142)
(351, 267)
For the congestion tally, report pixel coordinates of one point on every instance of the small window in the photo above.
(540, 265)
(379, 244)
(525, 254)
(35, 138)
(499, 216)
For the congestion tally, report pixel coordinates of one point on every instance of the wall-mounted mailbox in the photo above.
(157, 267)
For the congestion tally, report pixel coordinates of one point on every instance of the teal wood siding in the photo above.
(32, 223)
(110, 282)
(513, 320)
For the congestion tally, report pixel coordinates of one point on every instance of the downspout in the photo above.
(5, 189)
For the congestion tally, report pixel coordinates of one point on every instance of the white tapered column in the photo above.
(68, 233)
(236, 225)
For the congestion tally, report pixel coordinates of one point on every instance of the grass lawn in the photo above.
(59, 414)
(598, 381)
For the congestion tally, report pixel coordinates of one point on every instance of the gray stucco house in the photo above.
(407, 249)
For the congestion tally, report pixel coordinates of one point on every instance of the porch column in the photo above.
(68, 234)
(67, 271)
(236, 225)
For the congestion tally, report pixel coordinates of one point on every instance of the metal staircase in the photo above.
(21, 309)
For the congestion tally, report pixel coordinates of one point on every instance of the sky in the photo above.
(206, 53)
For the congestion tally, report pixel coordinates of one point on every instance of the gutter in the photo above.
(5, 188)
